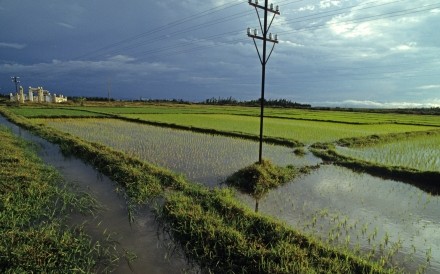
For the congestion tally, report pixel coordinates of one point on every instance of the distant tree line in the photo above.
(284, 103)
(95, 99)
(423, 111)
(427, 111)
(174, 101)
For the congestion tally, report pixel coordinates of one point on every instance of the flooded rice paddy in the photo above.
(375, 217)
(421, 153)
(382, 218)
(203, 158)
(140, 238)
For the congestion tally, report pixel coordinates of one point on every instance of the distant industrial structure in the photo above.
(37, 95)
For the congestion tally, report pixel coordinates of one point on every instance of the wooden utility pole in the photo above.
(263, 58)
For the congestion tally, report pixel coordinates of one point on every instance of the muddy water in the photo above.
(363, 213)
(141, 237)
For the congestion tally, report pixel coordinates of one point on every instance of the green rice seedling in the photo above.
(52, 112)
(309, 216)
(421, 153)
(304, 131)
(34, 235)
(178, 149)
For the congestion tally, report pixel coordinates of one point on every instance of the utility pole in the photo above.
(109, 87)
(263, 58)
(16, 81)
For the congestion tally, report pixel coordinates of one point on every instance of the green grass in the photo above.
(257, 179)
(33, 112)
(210, 226)
(417, 152)
(338, 116)
(224, 237)
(34, 237)
(349, 117)
(176, 149)
(304, 131)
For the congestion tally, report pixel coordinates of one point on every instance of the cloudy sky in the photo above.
(383, 53)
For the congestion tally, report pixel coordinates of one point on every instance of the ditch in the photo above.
(150, 249)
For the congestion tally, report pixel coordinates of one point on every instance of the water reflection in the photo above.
(203, 158)
(362, 212)
(141, 237)
(345, 208)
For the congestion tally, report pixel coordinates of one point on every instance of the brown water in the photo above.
(142, 237)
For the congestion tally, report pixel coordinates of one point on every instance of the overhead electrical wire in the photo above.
(125, 43)
(372, 18)
(359, 20)
(161, 28)
(191, 47)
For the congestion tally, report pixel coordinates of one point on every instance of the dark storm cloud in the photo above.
(378, 53)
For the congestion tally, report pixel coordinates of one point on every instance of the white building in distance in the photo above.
(38, 95)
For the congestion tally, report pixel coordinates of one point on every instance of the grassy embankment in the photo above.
(311, 127)
(34, 205)
(428, 181)
(289, 127)
(213, 229)
(259, 178)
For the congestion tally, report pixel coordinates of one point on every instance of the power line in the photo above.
(192, 48)
(115, 47)
(359, 20)
(182, 31)
(162, 28)
(372, 18)
(325, 14)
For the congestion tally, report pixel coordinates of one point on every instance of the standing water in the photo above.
(375, 217)
(364, 213)
(141, 237)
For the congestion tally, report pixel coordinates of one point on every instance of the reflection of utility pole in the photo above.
(16, 81)
(264, 58)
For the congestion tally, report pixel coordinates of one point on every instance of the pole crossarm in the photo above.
(272, 39)
(270, 8)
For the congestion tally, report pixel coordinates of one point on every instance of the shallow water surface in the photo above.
(203, 158)
(141, 237)
(362, 212)
(370, 215)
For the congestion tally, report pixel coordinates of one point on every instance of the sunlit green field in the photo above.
(377, 225)
(303, 125)
(422, 153)
(52, 112)
(306, 114)
(217, 156)
(307, 132)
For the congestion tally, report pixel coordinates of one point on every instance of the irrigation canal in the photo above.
(141, 237)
